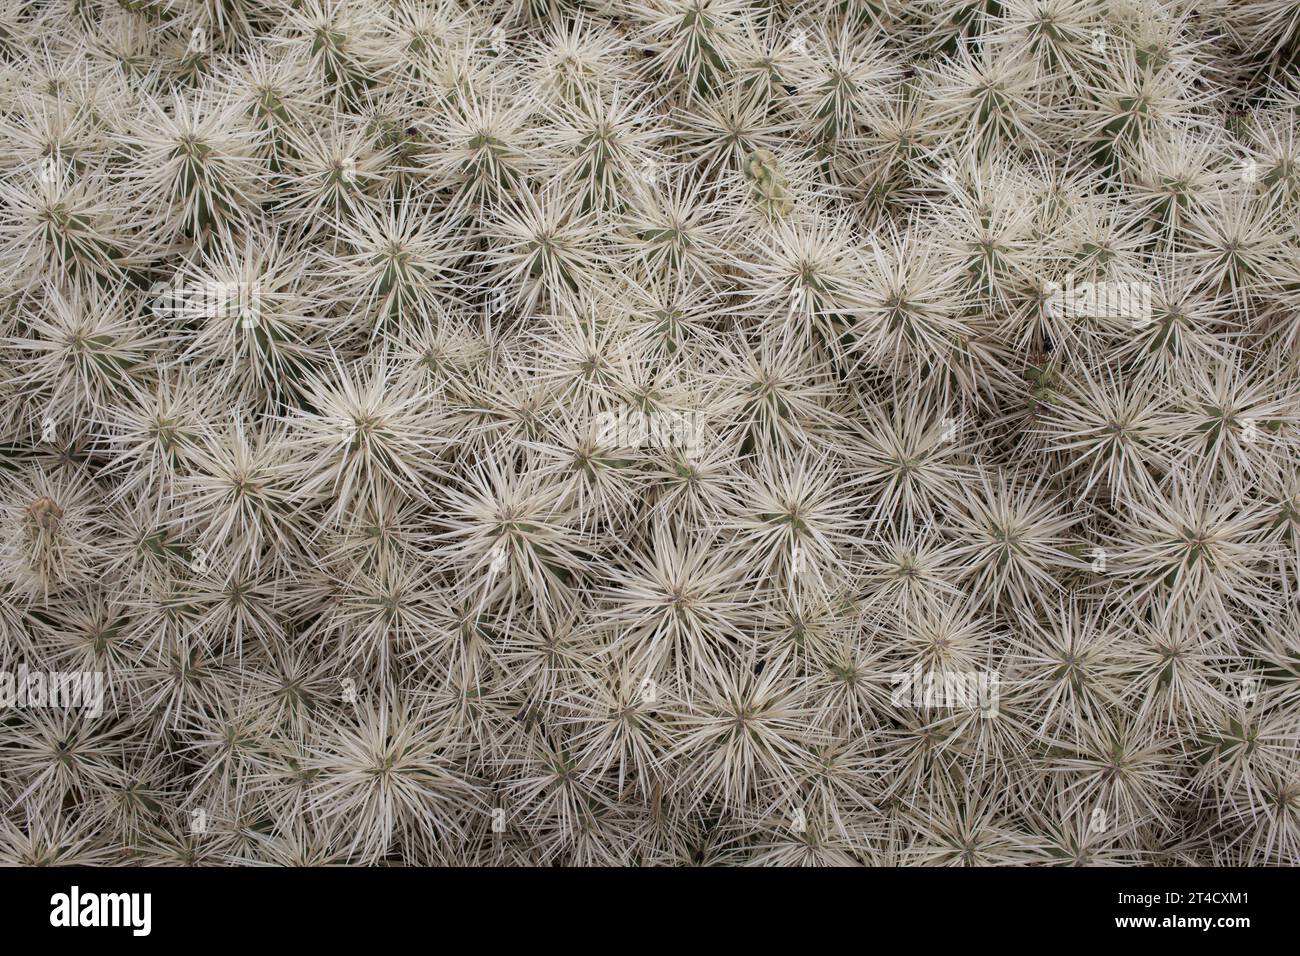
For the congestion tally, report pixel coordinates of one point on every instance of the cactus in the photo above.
(650, 432)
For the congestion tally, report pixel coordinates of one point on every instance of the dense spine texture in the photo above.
(571, 432)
